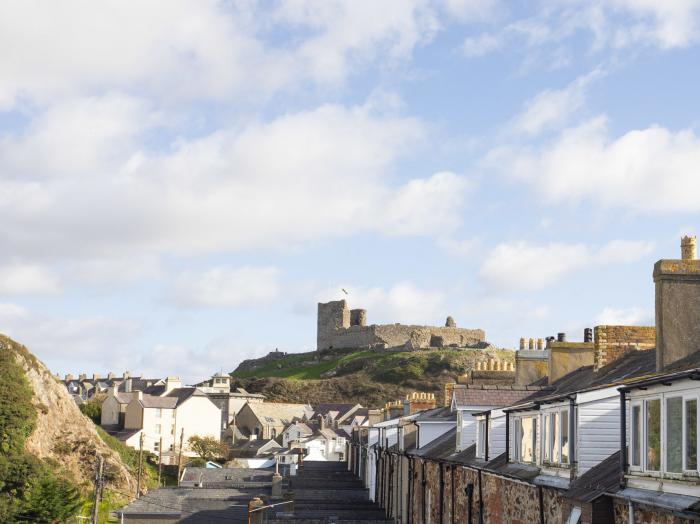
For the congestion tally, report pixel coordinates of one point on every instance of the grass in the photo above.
(391, 367)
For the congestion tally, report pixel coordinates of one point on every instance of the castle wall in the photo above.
(331, 317)
(395, 335)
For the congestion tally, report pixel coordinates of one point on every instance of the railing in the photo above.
(255, 519)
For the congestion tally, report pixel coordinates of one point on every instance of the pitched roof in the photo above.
(440, 448)
(337, 410)
(277, 413)
(304, 429)
(468, 395)
(603, 478)
(442, 414)
(173, 399)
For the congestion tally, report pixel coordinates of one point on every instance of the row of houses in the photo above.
(599, 431)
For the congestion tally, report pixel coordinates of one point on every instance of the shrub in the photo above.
(93, 410)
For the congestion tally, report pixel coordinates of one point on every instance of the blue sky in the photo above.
(181, 182)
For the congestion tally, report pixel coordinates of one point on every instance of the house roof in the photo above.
(630, 366)
(304, 429)
(336, 410)
(173, 399)
(442, 414)
(277, 413)
(475, 395)
(438, 449)
(603, 478)
(255, 447)
(124, 398)
(225, 475)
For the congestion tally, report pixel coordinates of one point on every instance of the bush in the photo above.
(29, 491)
(93, 410)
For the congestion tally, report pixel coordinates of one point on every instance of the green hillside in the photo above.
(367, 376)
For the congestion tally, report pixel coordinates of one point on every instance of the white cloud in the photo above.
(482, 44)
(646, 170)
(27, 279)
(311, 174)
(227, 287)
(525, 266)
(50, 50)
(671, 23)
(553, 107)
(473, 10)
(634, 316)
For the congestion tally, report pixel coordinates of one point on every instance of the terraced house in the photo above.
(606, 431)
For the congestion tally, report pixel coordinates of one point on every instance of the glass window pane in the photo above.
(653, 440)
(691, 434)
(556, 435)
(674, 434)
(545, 437)
(636, 435)
(517, 438)
(564, 437)
(526, 442)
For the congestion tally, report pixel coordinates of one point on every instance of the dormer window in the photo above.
(663, 436)
(555, 437)
(524, 435)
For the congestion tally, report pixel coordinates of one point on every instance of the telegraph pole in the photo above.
(160, 459)
(98, 488)
(179, 456)
(138, 482)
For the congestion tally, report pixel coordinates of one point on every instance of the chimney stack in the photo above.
(69, 377)
(82, 377)
(95, 377)
(127, 385)
(126, 375)
(588, 335)
(110, 376)
(677, 284)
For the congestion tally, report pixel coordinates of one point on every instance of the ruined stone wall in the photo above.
(331, 316)
(611, 342)
(398, 335)
(645, 515)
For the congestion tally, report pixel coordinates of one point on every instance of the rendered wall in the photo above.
(530, 366)
(677, 309)
(565, 357)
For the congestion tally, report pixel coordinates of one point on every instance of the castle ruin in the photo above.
(340, 327)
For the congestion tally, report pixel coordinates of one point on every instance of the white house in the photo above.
(178, 414)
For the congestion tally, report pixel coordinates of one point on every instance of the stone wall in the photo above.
(645, 515)
(338, 327)
(611, 342)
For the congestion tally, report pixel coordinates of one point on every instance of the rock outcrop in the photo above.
(62, 432)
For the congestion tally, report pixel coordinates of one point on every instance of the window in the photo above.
(691, 434)
(653, 431)
(556, 441)
(636, 455)
(674, 434)
(158, 429)
(564, 437)
(273, 433)
(481, 438)
(545, 438)
(156, 446)
(525, 433)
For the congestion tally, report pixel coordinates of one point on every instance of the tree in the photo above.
(92, 409)
(207, 447)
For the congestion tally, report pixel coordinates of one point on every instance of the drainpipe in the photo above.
(507, 437)
(442, 491)
(470, 501)
(481, 500)
(423, 483)
(410, 489)
(623, 438)
(452, 478)
(486, 436)
(573, 452)
(541, 505)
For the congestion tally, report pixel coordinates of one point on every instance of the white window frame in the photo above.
(547, 436)
(517, 444)
(481, 438)
(641, 400)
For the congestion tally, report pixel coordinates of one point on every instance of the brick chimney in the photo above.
(677, 304)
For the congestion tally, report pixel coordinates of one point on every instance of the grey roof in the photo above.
(438, 449)
(442, 414)
(173, 399)
(278, 413)
(603, 478)
(466, 395)
(221, 476)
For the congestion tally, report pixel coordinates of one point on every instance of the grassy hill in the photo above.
(369, 377)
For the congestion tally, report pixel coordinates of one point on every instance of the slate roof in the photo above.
(442, 414)
(173, 399)
(279, 414)
(467, 395)
(438, 449)
(603, 478)
(226, 475)
(304, 429)
(632, 365)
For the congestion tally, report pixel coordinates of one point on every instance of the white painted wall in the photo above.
(155, 428)
(466, 429)
(598, 431)
(497, 434)
(197, 416)
(429, 431)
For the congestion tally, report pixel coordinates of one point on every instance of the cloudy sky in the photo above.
(182, 181)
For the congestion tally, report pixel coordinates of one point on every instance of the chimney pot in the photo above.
(588, 335)
(531, 344)
(540, 344)
(561, 337)
(522, 343)
(689, 248)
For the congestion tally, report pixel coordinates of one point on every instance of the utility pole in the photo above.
(138, 481)
(179, 456)
(98, 488)
(160, 459)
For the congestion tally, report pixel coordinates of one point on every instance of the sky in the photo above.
(182, 181)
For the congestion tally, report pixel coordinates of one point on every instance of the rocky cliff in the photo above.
(63, 435)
